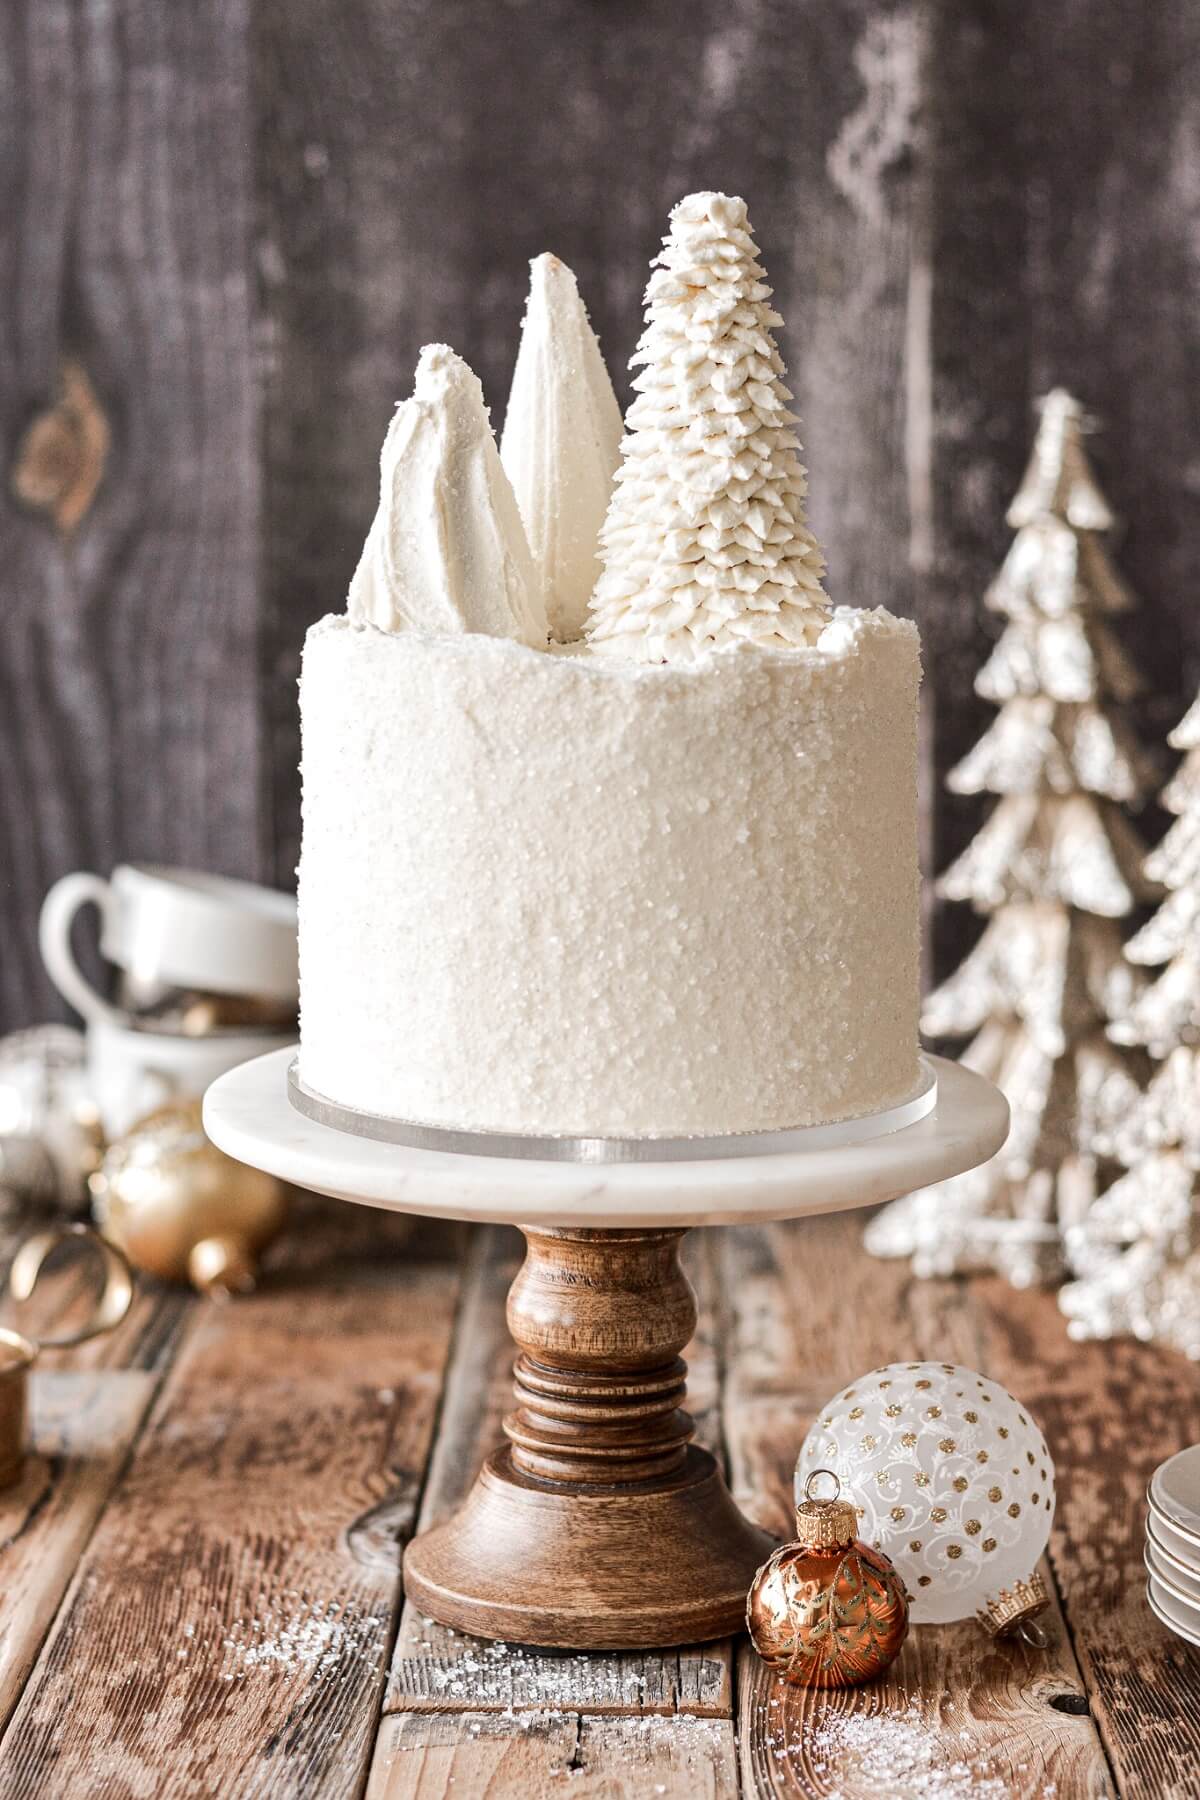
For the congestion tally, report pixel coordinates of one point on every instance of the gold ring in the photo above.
(115, 1298)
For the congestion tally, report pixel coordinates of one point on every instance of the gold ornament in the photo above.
(827, 1611)
(181, 1209)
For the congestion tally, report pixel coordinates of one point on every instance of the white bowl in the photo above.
(1175, 1490)
(1170, 1558)
(1182, 1544)
(1184, 1587)
(1168, 1612)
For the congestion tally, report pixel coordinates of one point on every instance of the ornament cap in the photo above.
(828, 1523)
(222, 1266)
(1004, 1613)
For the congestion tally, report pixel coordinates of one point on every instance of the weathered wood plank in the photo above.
(86, 1407)
(80, 1431)
(991, 1734)
(129, 505)
(1114, 285)
(230, 1619)
(436, 1669)
(1111, 1413)
(481, 1756)
(968, 451)
(809, 1312)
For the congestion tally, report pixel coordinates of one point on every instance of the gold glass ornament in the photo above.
(183, 1210)
(827, 1611)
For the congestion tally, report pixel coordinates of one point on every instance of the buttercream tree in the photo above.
(705, 540)
(1137, 1252)
(1056, 867)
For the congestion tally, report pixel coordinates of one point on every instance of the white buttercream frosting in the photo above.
(570, 893)
(705, 543)
(447, 550)
(561, 442)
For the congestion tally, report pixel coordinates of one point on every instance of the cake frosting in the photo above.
(447, 550)
(559, 893)
(561, 442)
(662, 881)
(705, 542)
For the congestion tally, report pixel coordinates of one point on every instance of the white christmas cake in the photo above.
(609, 817)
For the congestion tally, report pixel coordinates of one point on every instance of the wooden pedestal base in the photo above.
(599, 1526)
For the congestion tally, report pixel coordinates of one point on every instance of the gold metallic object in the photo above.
(17, 1357)
(19, 1353)
(1010, 1611)
(829, 1524)
(181, 1209)
(827, 1611)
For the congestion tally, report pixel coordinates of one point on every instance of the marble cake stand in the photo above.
(599, 1525)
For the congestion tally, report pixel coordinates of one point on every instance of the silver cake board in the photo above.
(412, 1134)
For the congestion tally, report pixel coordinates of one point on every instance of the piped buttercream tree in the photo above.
(705, 543)
(1137, 1252)
(1056, 867)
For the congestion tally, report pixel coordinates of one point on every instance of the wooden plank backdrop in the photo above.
(228, 229)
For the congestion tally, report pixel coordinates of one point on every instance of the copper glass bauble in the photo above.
(827, 1611)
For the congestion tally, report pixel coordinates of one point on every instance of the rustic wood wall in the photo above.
(227, 230)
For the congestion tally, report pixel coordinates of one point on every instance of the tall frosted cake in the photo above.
(609, 816)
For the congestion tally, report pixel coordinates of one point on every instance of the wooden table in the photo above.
(199, 1573)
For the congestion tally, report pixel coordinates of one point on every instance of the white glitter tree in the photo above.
(1056, 865)
(705, 541)
(1137, 1252)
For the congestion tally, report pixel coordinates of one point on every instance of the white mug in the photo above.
(132, 1071)
(173, 928)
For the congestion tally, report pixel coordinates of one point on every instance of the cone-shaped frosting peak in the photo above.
(447, 550)
(561, 442)
(705, 543)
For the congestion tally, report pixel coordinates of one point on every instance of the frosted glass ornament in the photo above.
(952, 1480)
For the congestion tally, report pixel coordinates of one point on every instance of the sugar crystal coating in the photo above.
(558, 893)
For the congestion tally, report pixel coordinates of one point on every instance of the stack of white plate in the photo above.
(1173, 1544)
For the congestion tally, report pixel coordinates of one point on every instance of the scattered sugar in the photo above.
(897, 1754)
(308, 1639)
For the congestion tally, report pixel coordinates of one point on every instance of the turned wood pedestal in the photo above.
(600, 1525)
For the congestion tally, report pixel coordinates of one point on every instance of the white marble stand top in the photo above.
(247, 1114)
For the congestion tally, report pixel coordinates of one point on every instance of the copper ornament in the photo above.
(827, 1611)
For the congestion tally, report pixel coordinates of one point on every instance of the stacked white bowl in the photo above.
(1173, 1544)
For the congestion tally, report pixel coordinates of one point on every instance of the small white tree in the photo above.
(705, 541)
(1137, 1251)
(1056, 865)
